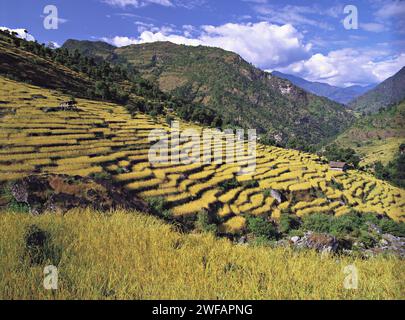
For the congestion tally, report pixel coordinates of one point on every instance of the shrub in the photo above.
(18, 207)
(392, 227)
(159, 206)
(317, 222)
(12, 204)
(204, 224)
(251, 184)
(261, 228)
(348, 224)
(288, 223)
(367, 239)
(101, 176)
(229, 184)
(39, 247)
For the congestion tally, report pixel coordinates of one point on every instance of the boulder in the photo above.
(62, 193)
(322, 242)
(294, 239)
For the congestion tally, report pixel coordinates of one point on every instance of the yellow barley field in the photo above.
(128, 255)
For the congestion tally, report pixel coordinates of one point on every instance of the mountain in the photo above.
(341, 95)
(223, 81)
(25, 65)
(390, 91)
(377, 137)
(96, 49)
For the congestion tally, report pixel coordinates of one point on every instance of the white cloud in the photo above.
(296, 15)
(373, 27)
(187, 4)
(21, 33)
(395, 8)
(263, 44)
(348, 66)
(137, 3)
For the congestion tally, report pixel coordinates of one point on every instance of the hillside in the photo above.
(95, 49)
(338, 94)
(128, 255)
(377, 137)
(226, 83)
(19, 64)
(389, 92)
(104, 139)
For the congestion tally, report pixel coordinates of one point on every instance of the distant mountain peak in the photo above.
(338, 94)
(389, 92)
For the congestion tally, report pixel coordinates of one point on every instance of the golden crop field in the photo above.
(103, 137)
(127, 255)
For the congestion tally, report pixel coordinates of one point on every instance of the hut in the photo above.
(338, 166)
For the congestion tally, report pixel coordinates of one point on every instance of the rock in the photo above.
(242, 240)
(62, 193)
(277, 195)
(295, 239)
(373, 228)
(384, 242)
(322, 242)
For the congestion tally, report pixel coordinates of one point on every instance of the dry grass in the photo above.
(127, 255)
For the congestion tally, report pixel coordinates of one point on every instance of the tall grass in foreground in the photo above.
(132, 256)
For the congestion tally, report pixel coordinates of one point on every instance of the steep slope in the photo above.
(17, 63)
(159, 263)
(104, 139)
(389, 92)
(223, 81)
(338, 94)
(95, 49)
(377, 137)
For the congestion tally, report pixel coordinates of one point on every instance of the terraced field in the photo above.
(104, 137)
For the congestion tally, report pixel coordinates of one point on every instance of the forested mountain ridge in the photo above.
(389, 92)
(221, 80)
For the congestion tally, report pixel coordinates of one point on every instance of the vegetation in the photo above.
(261, 228)
(120, 83)
(352, 224)
(241, 95)
(334, 153)
(394, 171)
(155, 262)
(388, 93)
(376, 137)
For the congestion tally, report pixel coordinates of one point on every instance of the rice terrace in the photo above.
(136, 176)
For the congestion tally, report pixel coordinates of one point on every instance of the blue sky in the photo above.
(305, 38)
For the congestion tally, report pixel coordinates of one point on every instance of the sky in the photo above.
(338, 42)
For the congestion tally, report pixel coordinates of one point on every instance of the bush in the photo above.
(349, 224)
(18, 207)
(39, 247)
(229, 184)
(353, 224)
(101, 176)
(204, 224)
(317, 222)
(392, 227)
(288, 223)
(159, 206)
(367, 239)
(261, 228)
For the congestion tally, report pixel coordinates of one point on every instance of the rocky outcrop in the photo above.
(61, 193)
(320, 242)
